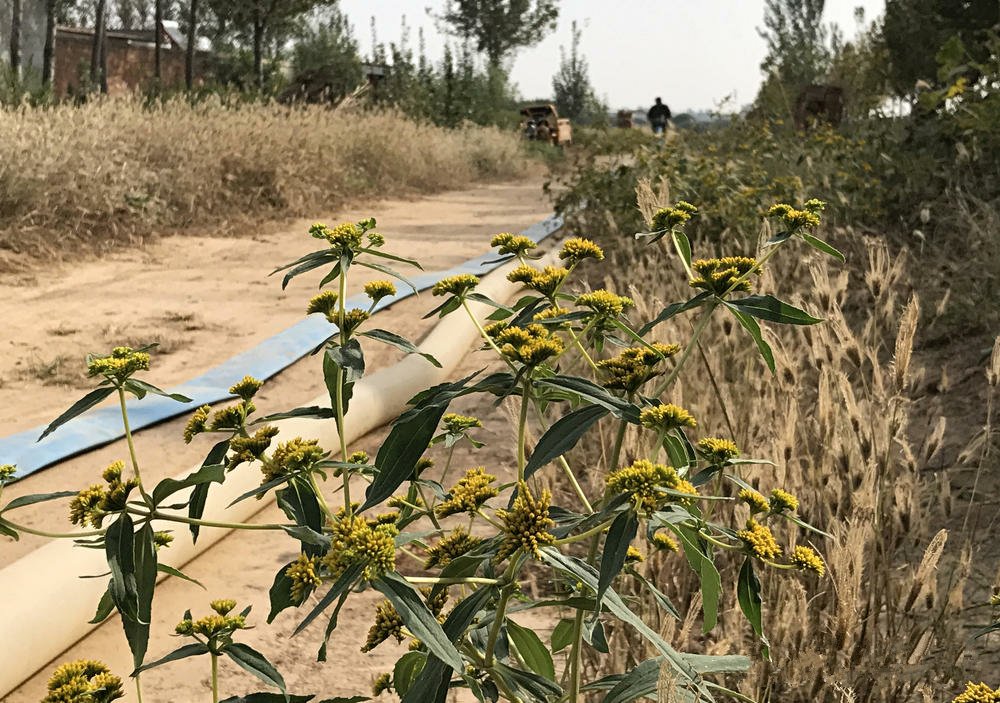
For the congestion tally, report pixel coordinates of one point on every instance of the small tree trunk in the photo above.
(15, 41)
(158, 43)
(49, 52)
(192, 39)
(97, 58)
(258, 53)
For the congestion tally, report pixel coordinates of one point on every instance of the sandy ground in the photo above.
(204, 299)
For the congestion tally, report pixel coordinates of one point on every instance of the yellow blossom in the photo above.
(376, 290)
(666, 417)
(807, 559)
(759, 540)
(577, 249)
(526, 525)
(469, 494)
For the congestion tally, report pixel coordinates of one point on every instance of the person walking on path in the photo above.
(658, 116)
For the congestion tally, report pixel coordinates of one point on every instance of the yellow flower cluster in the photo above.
(244, 450)
(344, 238)
(512, 244)
(469, 494)
(605, 303)
(354, 540)
(231, 418)
(162, 539)
(526, 525)
(978, 693)
(304, 575)
(807, 218)
(529, 345)
(635, 366)
(759, 540)
(119, 365)
(83, 681)
(375, 239)
(376, 290)
(7, 472)
(644, 481)
(807, 559)
(633, 555)
(458, 285)
(220, 625)
(92, 504)
(661, 540)
(670, 217)
(325, 302)
(388, 623)
(358, 457)
(382, 684)
(545, 281)
(719, 275)
(454, 423)
(246, 388)
(666, 417)
(197, 424)
(550, 313)
(353, 319)
(757, 502)
(782, 501)
(718, 450)
(456, 544)
(290, 457)
(578, 249)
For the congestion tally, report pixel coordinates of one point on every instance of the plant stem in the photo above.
(215, 678)
(703, 321)
(138, 689)
(340, 392)
(482, 331)
(584, 535)
(583, 351)
(52, 535)
(522, 423)
(501, 611)
(157, 515)
(575, 484)
(616, 452)
(324, 506)
(131, 447)
(453, 580)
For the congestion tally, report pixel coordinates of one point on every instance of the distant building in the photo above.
(130, 59)
(32, 34)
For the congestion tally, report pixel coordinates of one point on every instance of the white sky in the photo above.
(693, 53)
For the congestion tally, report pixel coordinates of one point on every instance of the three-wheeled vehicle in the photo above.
(542, 123)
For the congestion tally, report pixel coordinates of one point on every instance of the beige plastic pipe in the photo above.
(59, 604)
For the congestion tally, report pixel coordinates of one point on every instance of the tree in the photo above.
(192, 41)
(158, 43)
(15, 40)
(326, 60)
(573, 93)
(798, 52)
(499, 27)
(49, 51)
(98, 57)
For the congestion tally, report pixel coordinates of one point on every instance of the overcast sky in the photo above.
(691, 52)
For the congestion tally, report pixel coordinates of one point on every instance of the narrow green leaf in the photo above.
(562, 635)
(400, 343)
(588, 390)
(674, 309)
(280, 593)
(189, 650)
(418, 618)
(141, 388)
(22, 501)
(137, 630)
(388, 272)
(683, 246)
(177, 573)
(767, 307)
(533, 651)
(346, 581)
(78, 408)
(703, 565)
(407, 668)
(119, 549)
(256, 663)
(105, 607)
(562, 436)
(280, 698)
(748, 594)
(199, 496)
(313, 411)
(620, 536)
(751, 326)
(206, 474)
(818, 243)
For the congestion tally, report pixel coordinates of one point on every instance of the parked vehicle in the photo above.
(542, 123)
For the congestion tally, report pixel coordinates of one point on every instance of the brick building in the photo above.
(130, 59)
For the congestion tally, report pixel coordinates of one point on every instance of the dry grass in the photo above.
(852, 431)
(115, 171)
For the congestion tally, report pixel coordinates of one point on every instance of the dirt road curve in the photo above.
(204, 299)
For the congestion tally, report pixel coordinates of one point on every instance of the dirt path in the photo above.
(205, 299)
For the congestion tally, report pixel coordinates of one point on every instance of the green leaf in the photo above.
(119, 549)
(22, 501)
(642, 680)
(141, 388)
(199, 496)
(256, 663)
(702, 564)
(177, 573)
(213, 473)
(105, 607)
(400, 343)
(674, 309)
(767, 307)
(189, 650)
(6, 529)
(407, 668)
(392, 257)
(418, 618)
(78, 408)
(388, 272)
(683, 246)
(331, 625)
(409, 438)
(562, 635)
(137, 629)
(533, 651)
(563, 436)
(538, 687)
(313, 411)
(660, 597)
(620, 536)
(751, 326)
(344, 582)
(587, 390)
(818, 243)
(588, 575)
(748, 594)
(310, 261)
(280, 593)
(350, 358)
(432, 683)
